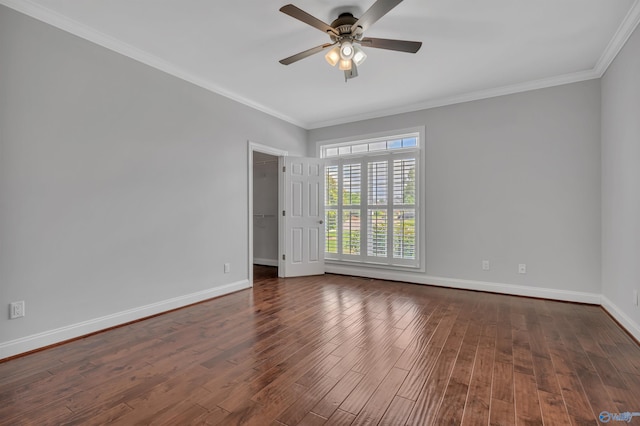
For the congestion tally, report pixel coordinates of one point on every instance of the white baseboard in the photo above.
(50, 337)
(511, 289)
(265, 262)
(630, 325)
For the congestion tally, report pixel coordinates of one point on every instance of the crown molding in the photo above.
(617, 42)
(466, 97)
(78, 29)
(41, 13)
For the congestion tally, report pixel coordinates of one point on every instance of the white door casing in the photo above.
(304, 230)
(251, 148)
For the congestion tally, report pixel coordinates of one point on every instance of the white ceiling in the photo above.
(471, 49)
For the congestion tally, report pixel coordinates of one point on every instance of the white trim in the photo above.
(50, 337)
(464, 97)
(627, 323)
(617, 42)
(420, 186)
(265, 149)
(265, 262)
(624, 31)
(510, 289)
(76, 28)
(414, 135)
(371, 136)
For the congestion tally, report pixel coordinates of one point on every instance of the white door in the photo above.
(303, 216)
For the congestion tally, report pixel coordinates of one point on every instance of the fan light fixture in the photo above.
(344, 54)
(347, 34)
(345, 64)
(346, 50)
(358, 56)
(333, 56)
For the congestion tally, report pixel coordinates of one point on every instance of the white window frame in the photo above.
(363, 259)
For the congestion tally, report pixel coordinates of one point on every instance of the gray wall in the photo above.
(512, 179)
(120, 186)
(621, 183)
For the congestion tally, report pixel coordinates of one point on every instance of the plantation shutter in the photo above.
(371, 209)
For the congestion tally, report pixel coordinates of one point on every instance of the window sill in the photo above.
(358, 264)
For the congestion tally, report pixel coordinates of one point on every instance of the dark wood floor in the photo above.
(337, 350)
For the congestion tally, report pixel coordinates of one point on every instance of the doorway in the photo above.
(265, 213)
(265, 201)
(299, 233)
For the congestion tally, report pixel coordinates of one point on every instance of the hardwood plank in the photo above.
(303, 405)
(336, 350)
(528, 410)
(464, 362)
(341, 418)
(607, 372)
(375, 408)
(397, 412)
(485, 355)
(332, 400)
(432, 392)
(46, 414)
(216, 416)
(502, 382)
(115, 414)
(625, 363)
(504, 339)
(522, 358)
(553, 409)
(422, 369)
(545, 375)
(312, 419)
(371, 380)
(348, 361)
(502, 413)
(478, 402)
(477, 406)
(182, 412)
(455, 396)
(154, 402)
(287, 378)
(453, 403)
(319, 371)
(423, 331)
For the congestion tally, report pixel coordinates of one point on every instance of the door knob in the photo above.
(321, 221)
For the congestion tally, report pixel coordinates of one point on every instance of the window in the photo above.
(371, 201)
(374, 145)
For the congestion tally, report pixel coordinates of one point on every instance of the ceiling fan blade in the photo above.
(389, 44)
(304, 54)
(375, 12)
(301, 15)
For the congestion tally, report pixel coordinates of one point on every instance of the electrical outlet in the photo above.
(522, 268)
(485, 265)
(227, 268)
(16, 310)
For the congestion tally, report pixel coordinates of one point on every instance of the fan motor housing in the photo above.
(343, 23)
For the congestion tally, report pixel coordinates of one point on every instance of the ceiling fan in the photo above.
(346, 34)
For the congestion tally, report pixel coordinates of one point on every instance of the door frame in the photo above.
(265, 149)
